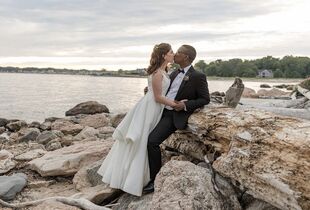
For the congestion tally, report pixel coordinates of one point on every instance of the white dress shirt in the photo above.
(174, 88)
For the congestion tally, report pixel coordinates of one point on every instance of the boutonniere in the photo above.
(186, 78)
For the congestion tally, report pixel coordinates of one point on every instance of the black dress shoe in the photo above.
(149, 188)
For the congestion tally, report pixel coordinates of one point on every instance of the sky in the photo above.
(120, 34)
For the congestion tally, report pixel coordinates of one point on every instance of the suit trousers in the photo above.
(161, 132)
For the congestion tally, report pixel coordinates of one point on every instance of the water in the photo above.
(34, 97)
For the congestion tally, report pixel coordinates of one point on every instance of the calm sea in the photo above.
(34, 97)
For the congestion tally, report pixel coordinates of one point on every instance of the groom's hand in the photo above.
(180, 105)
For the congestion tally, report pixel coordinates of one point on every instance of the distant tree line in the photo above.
(287, 67)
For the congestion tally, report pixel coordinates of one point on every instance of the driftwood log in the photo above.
(78, 202)
(268, 155)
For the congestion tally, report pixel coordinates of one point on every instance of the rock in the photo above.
(11, 185)
(305, 83)
(46, 126)
(68, 160)
(273, 93)
(16, 126)
(233, 94)
(99, 193)
(51, 119)
(89, 107)
(249, 93)
(87, 176)
(35, 145)
(116, 119)
(265, 86)
(93, 177)
(95, 121)
(66, 140)
(6, 161)
(87, 133)
(266, 154)
(34, 124)
(30, 135)
(4, 138)
(250, 203)
(2, 130)
(66, 127)
(106, 132)
(47, 136)
(53, 145)
(131, 202)
(183, 185)
(3, 122)
(30, 155)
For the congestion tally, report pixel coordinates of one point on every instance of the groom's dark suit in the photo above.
(194, 88)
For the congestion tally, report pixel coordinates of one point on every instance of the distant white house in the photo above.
(265, 73)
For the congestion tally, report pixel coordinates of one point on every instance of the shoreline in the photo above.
(211, 78)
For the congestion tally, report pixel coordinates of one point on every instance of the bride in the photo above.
(126, 167)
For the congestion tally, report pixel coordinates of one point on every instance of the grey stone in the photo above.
(34, 124)
(11, 185)
(2, 130)
(89, 107)
(47, 136)
(3, 122)
(16, 126)
(30, 135)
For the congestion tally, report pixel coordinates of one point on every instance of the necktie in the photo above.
(181, 71)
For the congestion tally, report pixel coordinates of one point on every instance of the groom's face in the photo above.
(180, 56)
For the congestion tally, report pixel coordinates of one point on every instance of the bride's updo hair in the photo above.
(157, 57)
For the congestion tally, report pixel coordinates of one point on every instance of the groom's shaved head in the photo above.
(190, 51)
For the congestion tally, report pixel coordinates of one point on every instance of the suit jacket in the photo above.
(194, 88)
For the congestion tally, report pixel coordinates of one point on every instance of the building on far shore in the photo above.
(265, 73)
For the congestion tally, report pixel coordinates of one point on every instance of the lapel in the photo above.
(172, 76)
(188, 73)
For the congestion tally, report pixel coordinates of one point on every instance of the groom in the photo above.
(190, 88)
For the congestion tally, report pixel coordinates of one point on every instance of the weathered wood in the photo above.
(81, 203)
(304, 91)
(267, 154)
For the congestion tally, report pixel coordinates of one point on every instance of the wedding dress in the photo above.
(126, 167)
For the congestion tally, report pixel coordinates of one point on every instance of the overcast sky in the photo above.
(114, 34)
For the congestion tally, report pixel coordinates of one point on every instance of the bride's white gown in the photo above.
(126, 167)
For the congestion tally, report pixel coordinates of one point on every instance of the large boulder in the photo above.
(68, 160)
(266, 154)
(11, 185)
(89, 107)
(184, 185)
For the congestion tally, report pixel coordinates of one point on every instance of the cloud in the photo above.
(128, 29)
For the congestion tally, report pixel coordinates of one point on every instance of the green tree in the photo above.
(278, 73)
(200, 65)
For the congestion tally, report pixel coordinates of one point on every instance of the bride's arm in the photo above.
(157, 90)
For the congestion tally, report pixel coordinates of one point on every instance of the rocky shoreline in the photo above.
(226, 159)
